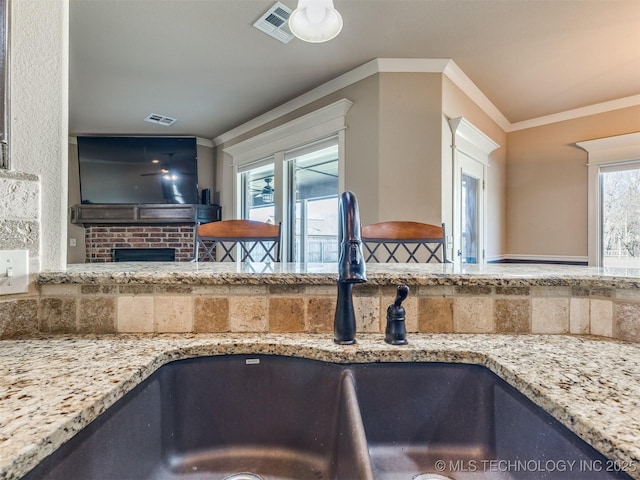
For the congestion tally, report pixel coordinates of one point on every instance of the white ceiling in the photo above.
(202, 62)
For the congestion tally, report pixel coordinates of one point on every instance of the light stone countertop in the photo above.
(189, 273)
(52, 387)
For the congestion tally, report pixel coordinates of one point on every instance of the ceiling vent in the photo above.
(160, 119)
(275, 23)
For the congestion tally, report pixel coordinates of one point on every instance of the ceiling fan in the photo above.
(168, 173)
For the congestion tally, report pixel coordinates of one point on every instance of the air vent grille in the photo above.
(282, 13)
(160, 119)
(274, 22)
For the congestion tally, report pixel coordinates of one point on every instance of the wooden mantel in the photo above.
(143, 214)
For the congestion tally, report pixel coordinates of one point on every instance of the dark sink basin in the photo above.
(211, 418)
(283, 418)
(462, 421)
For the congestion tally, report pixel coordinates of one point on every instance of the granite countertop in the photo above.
(187, 273)
(52, 387)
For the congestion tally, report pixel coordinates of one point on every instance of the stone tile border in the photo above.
(160, 308)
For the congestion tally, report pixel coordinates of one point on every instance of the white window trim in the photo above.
(312, 126)
(472, 141)
(602, 152)
(322, 123)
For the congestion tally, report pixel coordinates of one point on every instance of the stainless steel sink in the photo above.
(275, 418)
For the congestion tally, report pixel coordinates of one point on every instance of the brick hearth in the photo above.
(101, 239)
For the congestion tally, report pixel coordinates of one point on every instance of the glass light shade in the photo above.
(315, 21)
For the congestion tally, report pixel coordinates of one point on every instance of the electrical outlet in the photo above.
(14, 271)
(72, 242)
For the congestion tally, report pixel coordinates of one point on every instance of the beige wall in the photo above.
(546, 195)
(399, 164)
(410, 133)
(206, 167)
(392, 146)
(361, 144)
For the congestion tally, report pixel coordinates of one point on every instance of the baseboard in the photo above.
(540, 259)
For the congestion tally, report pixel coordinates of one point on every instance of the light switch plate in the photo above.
(14, 271)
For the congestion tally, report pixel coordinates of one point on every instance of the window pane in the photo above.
(469, 223)
(314, 192)
(621, 218)
(257, 204)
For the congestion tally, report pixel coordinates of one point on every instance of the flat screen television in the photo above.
(126, 170)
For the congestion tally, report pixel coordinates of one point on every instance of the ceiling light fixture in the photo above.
(315, 21)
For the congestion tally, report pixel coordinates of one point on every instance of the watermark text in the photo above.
(539, 466)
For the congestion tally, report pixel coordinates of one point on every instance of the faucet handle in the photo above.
(396, 333)
(401, 294)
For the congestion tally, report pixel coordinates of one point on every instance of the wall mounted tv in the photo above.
(117, 170)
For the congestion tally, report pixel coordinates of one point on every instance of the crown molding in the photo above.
(205, 142)
(632, 101)
(324, 121)
(464, 83)
(344, 80)
(444, 66)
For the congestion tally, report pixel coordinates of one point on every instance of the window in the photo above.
(607, 156)
(302, 161)
(258, 193)
(620, 210)
(308, 211)
(471, 201)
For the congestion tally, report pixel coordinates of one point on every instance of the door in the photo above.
(469, 210)
(313, 200)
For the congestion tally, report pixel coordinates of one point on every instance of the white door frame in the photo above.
(471, 149)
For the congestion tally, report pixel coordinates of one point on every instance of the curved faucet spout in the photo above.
(351, 268)
(351, 264)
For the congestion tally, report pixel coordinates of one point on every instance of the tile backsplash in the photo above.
(74, 308)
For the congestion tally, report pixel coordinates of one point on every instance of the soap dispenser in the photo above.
(396, 333)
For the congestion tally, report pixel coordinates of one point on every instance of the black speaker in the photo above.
(206, 196)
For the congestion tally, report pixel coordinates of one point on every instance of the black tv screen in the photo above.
(138, 170)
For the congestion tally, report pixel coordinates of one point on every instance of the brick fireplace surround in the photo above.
(100, 240)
